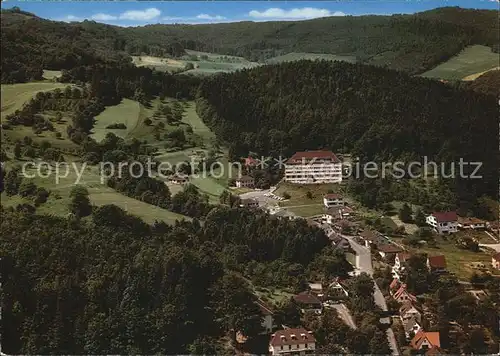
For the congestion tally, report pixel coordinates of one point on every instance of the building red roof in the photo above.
(394, 284)
(421, 336)
(250, 161)
(333, 196)
(402, 290)
(446, 216)
(403, 256)
(299, 157)
(389, 248)
(307, 298)
(437, 261)
(292, 337)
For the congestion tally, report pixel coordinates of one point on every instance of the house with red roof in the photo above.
(313, 167)
(402, 295)
(436, 264)
(443, 222)
(425, 340)
(471, 223)
(495, 260)
(292, 341)
(251, 162)
(333, 200)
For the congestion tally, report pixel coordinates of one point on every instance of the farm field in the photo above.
(127, 112)
(51, 74)
(471, 61)
(295, 56)
(13, 96)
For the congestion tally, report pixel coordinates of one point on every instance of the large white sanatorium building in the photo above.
(313, 167)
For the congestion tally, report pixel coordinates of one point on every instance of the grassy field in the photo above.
(458, 260)
(477, 75)
(127, 112)
(100, 194)
(295, 56)
(51, 74)
(298, 193)
(13, 96)
(472, 60)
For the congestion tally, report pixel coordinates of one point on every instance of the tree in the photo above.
(309, 195)
(29, 152)
(17, 150)
(27, 189)
(405, 213)
(286, 195)
(420, 218)
(235, 306)
(379, 344)
(189, 66)
(80, 203)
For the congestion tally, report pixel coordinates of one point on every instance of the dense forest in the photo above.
(487, 83)
(113, 284)
(373, 113)
(412, 43)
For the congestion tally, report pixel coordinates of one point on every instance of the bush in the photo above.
(122, 126)
(58, 135)
(286, 195)
(148, 122)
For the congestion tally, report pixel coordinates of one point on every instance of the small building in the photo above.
(245, 182)
(394, 286)
(316, 288)
(333, 200)
(411, 327)
(178, 179)
(296, 341)
(307, 301)
(268, 319)
(249, 203)
(388, 249)
(399, 263)
(436, 264)
(443, 222)
(493, 226)
(336, 289)
(424, 340)
(409, 310)
(402, 295)
(471, 223)
(284, 214)
(479, 294)
(251, 162)
(495, 260)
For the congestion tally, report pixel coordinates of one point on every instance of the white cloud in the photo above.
(210, 17)
(103, 17)
(140, 15)
(70, 18)
(302, 13)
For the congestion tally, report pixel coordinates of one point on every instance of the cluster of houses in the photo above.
(299, 341)
(449, 222)
(410, 312)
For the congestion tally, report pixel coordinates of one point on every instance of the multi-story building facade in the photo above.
(297, 341)
(313, 167)
(443, 222)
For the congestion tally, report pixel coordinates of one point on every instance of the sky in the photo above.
(129, 13)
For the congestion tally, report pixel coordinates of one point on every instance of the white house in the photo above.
(337, 289)
(408, 310)
(495, 260)
(333, 200)
(411, 327)
(245, 182)
(297, 341)
(313, 167)
(249, 203)
(443, 222)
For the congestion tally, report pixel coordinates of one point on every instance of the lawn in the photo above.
(298, 193)
(192, 119)
(209, 186)
(127, 112)
(100, 194)
(472, 60)
(51, 74)
(13, 96)
(457, 260)
(296, 56)
(307, 210)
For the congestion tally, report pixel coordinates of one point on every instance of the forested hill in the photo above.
(413, 43)
(372, 112)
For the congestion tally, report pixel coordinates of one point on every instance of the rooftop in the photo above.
(446, 216)
(432, 337)
(307, 298)
(438, 261)
(292, 337)
(299, 157)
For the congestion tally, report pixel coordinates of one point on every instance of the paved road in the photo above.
(345, 315)
(364, 264)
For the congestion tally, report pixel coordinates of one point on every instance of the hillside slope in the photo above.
(413, 43)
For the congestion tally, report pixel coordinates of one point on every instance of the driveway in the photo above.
(345, 315)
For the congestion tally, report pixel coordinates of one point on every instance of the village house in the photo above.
(402, 295)
(178, 179)
(371, 238)
(399, 261)
(268, 319)
(313, 167)
(388, 249)
(411, 327)
(296, 341)
(307, 301)
(394, 286)
(251, 162)
(316, 288)
(409, 310)
(249, 203)
(245, 182)
(333, 200)
(283, 214)
(493, 226)
(495, 260)
(443, 222)
(335, 214)
(336, 289)
(436, 264)
(339, 242)
(424, 340)
(471, 223)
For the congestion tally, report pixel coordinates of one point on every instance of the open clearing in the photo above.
(296, 56)
(477, 75)
(127, 112)
(472, 60)
(51, 74)
(13, 96)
